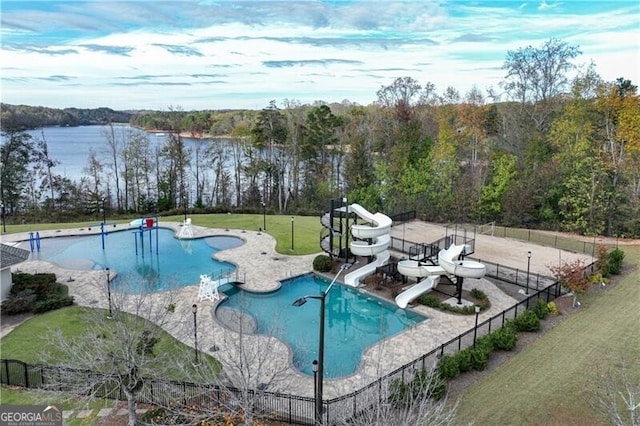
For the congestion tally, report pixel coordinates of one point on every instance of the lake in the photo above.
(70, 145)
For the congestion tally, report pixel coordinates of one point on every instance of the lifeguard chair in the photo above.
(208, 289)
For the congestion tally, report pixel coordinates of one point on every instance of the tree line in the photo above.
(557, 148)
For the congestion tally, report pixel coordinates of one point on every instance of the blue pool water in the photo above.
(158, 265)
(353, 322)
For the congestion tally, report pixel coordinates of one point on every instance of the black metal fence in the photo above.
(276, 406)
(284, 407)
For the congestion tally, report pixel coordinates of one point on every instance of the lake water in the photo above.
(70, 145)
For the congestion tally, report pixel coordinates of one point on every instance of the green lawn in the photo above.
(306, 229)
(549, 382)
(29, 340)
(71, 403)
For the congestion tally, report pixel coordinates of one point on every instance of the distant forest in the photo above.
(558, 149)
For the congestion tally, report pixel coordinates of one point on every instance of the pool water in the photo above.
(157, 266)
(353, 321)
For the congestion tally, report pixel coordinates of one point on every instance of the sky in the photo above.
(197, 55)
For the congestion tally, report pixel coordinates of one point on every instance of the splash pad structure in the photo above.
(146, 224)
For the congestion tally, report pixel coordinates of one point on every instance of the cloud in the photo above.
(546, 6)
(113, 50)
(302, 63)
(179, 50)
(307, 50)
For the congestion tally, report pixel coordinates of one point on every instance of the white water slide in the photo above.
(448, 263)
(373, 240)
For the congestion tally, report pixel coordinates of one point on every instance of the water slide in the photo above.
(448, 263)
(372, 240)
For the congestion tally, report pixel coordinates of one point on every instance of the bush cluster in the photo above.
(433, 302)
(614, 264)
(423, 384)
(476, 357)
(526, 321)
(553, 308)
(504, 339)
(322, 263)
(36, 293)
(541, 309)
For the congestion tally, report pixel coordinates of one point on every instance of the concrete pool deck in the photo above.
(261, 268)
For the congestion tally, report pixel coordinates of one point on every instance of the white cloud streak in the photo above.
(241, 54)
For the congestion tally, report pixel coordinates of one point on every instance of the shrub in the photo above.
(553, 308)
(430, 300)
(433, 302)
(398, 393)
(541, 309)
(322, 263)
(526, 321)
(504, 339)
(51, 303)
(480, 356)
(478, 294)
(448, 367)
(19, 303)
(598, 279)
(36, 293)
(614, 266)
(41, 284)
(463, 358)
(438, 387)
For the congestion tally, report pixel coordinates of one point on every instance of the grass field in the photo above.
(549, 382)
(29, 341)
(68, 403)
(305, 230)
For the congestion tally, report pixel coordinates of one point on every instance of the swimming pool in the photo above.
(168, 264)
(354, 321)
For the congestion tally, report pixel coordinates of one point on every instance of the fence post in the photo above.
(6, 369)
(26, 375)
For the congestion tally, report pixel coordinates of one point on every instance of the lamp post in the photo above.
(346, 243)
(475, 329)
(320, 373)
(104, 212)
(4, 224)
(528, 269)
(291, 233)
(264, 216)
(317, 413)
(109, 292)
(194, 309)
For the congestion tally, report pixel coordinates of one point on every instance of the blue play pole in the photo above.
(142, 242)
(157, 237)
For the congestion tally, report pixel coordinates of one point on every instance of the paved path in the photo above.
(261, 268)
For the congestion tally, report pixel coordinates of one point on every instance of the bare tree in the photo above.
(119, 345)
(417, 403)
(251, 364)
(617, 395)
(114, 149)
